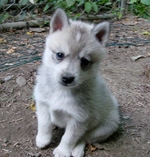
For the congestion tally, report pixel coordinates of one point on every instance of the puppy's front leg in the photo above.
(73, 133)
(45, 126)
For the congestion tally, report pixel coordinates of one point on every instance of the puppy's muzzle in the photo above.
(67, 79)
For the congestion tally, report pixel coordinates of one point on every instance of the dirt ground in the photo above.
(129, 80)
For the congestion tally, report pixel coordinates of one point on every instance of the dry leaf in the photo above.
(11, 50)
(100, 147)
(146, 33)
(29, 33)
(135, 58)
(2, 41)
(32, 106)
(92, 148)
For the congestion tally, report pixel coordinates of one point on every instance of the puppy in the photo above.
(70, 92)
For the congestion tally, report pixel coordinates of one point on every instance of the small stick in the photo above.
(3, 121)
(15, 120)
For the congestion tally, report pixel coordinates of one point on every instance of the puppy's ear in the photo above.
(101, 32)
(58, 21)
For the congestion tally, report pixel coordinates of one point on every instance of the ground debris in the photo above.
(21, 81)
(7, 78)
(32, 106)
(11, 50)
(39, 30)
(4, 155)
(135, 58)
(34, 155)
(147, 71)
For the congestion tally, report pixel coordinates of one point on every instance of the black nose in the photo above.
(67, 79)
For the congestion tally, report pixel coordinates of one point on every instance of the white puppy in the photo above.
(69, 91)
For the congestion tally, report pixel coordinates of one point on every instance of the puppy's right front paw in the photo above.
(43, 140)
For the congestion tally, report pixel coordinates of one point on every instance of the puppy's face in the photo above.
(73, 50)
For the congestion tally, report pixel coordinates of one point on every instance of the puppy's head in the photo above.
(74, 49)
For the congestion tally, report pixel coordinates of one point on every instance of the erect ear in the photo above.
(101, 32)
(58, 21)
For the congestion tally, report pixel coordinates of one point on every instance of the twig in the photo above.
(3, 121)
(21, 24)
(6, 150)
(14, 6)
(15, 120)
(40, 21)
(17, 143)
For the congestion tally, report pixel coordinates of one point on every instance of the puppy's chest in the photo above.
(65, 107)
(59, 118)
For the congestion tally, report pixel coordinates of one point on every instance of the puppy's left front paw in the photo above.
(78, 151)
(61, 152)
(42, 140)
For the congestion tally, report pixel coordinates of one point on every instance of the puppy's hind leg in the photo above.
(45, 126)
(105, 129)
(101, 133)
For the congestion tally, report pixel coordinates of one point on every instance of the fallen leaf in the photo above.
(146, 33)
(32, 106)
(2, 41)
(29, 33)
(11, 50)
(135, 58)
(100, 147)
(92, 148)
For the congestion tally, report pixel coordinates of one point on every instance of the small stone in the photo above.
(126, 117)
(5, 140)
(7, 78)
(30, 51)
(21, 81)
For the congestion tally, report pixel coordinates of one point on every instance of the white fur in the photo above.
(78, 37)
(85, 108)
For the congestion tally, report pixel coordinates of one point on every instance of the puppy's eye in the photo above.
(84, 62)
(60, 56)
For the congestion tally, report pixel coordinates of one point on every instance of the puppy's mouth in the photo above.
(68, 85)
